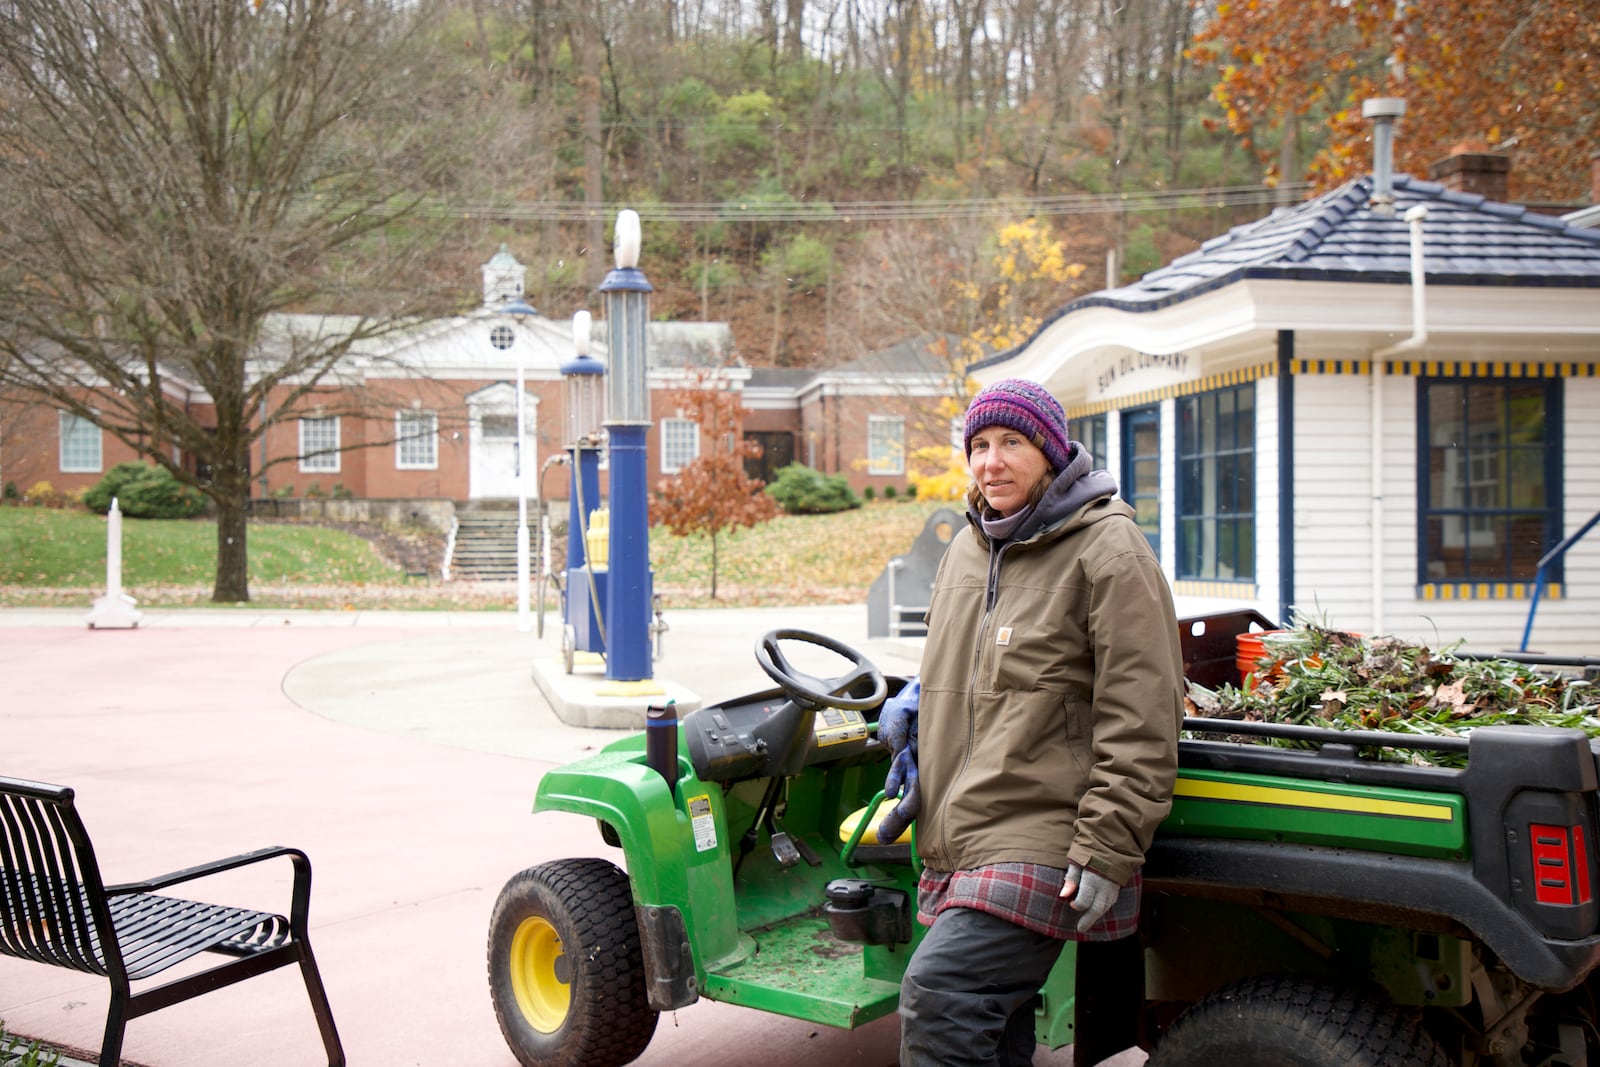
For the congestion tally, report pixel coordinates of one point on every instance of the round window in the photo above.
(502, 337)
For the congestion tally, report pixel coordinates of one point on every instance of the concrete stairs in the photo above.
(486, 542)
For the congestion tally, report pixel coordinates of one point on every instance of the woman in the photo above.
(1046, 733)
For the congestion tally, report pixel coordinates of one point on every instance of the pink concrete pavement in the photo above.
(183, 746)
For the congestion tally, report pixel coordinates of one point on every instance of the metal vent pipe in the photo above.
(1383, 111)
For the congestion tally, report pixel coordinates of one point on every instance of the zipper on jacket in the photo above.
(989, 597)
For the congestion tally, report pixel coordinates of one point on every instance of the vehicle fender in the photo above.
(1390, 889)
(635, 801)
(678, 866)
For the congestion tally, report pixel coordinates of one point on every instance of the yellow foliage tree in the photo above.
(1031, 271)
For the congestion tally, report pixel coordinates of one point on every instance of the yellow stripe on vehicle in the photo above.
(1299, 798)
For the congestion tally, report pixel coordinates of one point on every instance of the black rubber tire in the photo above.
(1287, 1021)
(606, 1020)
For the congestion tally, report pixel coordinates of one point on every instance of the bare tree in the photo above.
(177, 172)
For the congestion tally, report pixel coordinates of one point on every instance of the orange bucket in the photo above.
(1251, 650)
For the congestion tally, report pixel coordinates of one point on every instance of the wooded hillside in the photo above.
(830, 176)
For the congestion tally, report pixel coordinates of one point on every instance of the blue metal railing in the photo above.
(1544, 562)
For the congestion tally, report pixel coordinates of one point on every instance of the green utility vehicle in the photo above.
(1304, 907)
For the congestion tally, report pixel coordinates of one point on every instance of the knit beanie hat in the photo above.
(1026, 407)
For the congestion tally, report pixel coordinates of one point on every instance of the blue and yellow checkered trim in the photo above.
(1485, 591)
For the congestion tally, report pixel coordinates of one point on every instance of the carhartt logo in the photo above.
(1002, 636)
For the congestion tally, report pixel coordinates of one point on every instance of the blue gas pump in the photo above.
(583, 590)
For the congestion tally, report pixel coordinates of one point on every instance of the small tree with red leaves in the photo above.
(712, 494)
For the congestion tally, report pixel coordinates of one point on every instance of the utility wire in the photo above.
(757, 210)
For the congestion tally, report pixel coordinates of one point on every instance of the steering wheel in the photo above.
(823, 692)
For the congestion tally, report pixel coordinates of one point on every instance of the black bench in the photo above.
(55, 909)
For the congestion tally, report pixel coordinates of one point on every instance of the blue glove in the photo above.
(1088, 892)
(902, 775)
(897, 721)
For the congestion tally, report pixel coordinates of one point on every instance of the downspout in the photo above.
(1419, 278)
(1285, 477)
(1419, 337)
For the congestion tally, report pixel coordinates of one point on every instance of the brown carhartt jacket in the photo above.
(1052, 693)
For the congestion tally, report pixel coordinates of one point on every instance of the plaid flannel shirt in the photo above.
(1028, 894)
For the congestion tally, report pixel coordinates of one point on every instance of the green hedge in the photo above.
(800, 490)
(145, 492)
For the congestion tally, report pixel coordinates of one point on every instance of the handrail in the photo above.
(1544, 562)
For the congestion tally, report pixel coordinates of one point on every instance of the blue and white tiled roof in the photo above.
(1468, 240)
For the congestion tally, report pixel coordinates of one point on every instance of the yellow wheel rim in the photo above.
(541, 977)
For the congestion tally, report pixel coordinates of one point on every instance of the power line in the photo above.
(756, 210)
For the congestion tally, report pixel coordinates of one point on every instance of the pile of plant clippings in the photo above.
(1312, 676)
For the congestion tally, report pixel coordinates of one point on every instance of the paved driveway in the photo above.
(401, 752)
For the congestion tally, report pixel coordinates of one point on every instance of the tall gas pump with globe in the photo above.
(584, 586)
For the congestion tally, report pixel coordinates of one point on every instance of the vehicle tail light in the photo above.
(1560, 864)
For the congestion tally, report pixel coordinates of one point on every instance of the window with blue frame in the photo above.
(1141, 469)
(1489, 478)
(1216, 491)
(1091, 433)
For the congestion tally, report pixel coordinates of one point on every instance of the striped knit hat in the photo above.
(1026, 407)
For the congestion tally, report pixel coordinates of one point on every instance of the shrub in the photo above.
(113, 484)
(161, 496)
(869, 494)
(340, 492)
(314, 491)
(283, 492)
(11, 493)
(145, 492)
(33, 1054)
(43, 495)
(890, 492)
(800, 490)
(950, 477)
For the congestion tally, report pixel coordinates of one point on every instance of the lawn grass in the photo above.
(49, 548)
(792, 559)
(50, 557)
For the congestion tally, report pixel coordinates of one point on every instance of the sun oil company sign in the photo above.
(1122, 373)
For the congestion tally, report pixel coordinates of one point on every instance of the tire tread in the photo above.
(1265, 1020)
(611, 1021)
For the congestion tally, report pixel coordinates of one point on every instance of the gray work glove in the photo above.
(1091, 893)
(902, 775)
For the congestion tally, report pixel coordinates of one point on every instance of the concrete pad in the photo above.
(584, 696)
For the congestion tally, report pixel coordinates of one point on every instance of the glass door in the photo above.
(1141, 469)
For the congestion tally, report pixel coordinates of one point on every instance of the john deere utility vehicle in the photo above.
(1304, 907)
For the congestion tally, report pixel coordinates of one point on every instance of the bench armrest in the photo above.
(300, 904)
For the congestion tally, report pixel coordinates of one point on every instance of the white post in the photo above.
(523, 622)
(116, 609)
(114, 550)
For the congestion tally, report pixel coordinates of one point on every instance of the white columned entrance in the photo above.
(492, 466)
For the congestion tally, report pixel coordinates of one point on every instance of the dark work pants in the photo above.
(967, 999)
(1109, 990)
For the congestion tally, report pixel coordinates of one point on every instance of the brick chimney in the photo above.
(1470, 169)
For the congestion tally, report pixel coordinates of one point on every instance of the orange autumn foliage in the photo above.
(1519, 76)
